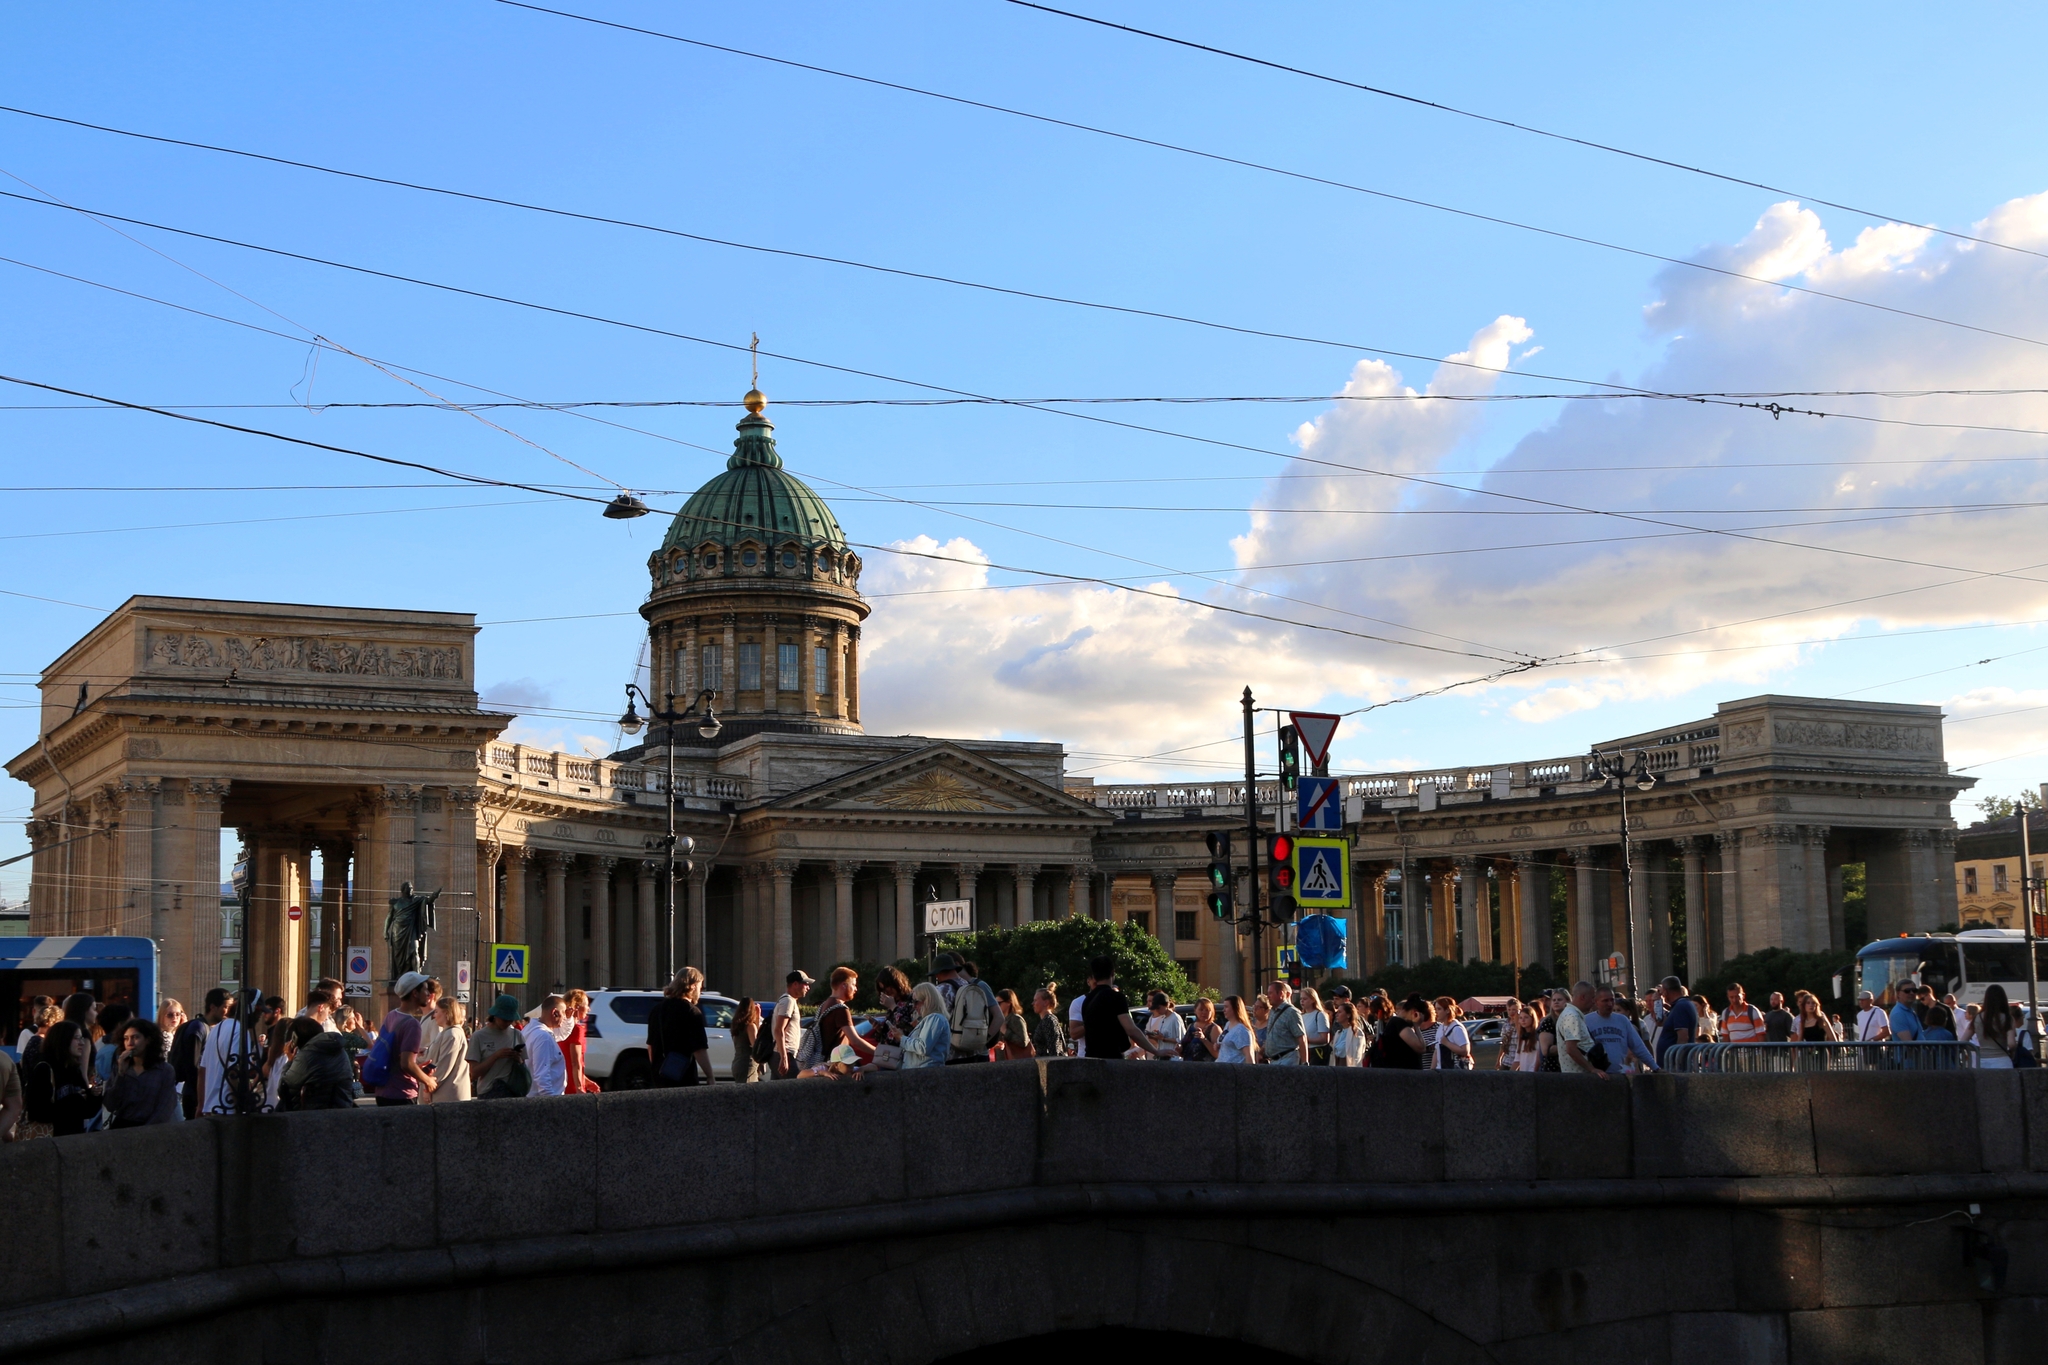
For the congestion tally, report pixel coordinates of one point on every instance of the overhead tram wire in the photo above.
(1471, 214)
(1772, 408)
(1297, 456)
(311, 334)
(1515, 664)
(1225, 583)
(1530, 129)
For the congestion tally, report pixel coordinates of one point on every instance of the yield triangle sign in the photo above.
(1317, 729)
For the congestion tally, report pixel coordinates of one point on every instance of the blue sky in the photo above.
(1878, 106)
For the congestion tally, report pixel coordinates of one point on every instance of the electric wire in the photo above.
(1299, 456)
(1524, 127)
(1471, 214)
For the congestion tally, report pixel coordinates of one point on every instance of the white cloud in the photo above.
(1669, 608)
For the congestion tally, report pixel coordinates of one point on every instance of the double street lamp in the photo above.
(1619, 774)
(673, 846)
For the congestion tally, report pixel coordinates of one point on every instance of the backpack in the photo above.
(810, 1049)
(376, 1063)
(972, 1011)
(764, 1044)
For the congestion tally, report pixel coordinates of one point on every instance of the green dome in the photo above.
(754, 499)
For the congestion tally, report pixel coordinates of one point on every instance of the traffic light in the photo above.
(1222, 899)
(1280, 877)
(1290, 758)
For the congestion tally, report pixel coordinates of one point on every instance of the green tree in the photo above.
(1998, 807)
(1058, 950)
(1781, 969)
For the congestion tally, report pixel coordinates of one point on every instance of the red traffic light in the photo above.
(1280, 848)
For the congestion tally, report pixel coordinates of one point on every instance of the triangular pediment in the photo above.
(941, 780)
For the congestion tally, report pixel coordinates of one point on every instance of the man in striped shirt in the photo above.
(1743, 1022)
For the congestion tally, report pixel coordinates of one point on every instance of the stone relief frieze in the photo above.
(938, 790)
(1820, 734)
(304, 654)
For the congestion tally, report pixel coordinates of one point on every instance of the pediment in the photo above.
(941, 780)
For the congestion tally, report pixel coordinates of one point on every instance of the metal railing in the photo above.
(1753, 1058)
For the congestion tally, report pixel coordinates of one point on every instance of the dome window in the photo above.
(748, 558)
(710, 561)
(789, 559)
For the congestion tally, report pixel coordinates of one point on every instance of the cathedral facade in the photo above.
(348, 748)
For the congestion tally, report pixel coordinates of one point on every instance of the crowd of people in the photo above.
(84, 1066)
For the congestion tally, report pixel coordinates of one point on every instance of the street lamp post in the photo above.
(1619, 775)
(672, 846)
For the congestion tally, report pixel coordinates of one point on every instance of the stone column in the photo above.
(783, 953)
(1583, 941)
(852, 667)
(134, 810)
(1923, 881)
(298, 933)
(467, 899)
(806, 667)
(1533, 886)
(1163, 927)
(387, 823)
(199, 892)
(906, 908)
(1369, 929)
(647, 920)
(1084, 890)
(554, 963)
(1729, 941)
(1468, 910)
(512, 916)
(729, 661)
(1636, 920)
(1699, 946)
(601, 964)
(690, 662)
(836, 652)
(1659, 889)
(699, 913)
(486, 906)
(334, 855)
(771, 669)
(843, 874)
(967, 877)
(1023, 906)
(1823, 916)
(1774, 910)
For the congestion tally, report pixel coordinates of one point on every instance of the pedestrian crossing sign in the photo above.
(508, 963)
(1322, 873)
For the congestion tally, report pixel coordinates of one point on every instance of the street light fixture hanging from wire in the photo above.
(1619, 774)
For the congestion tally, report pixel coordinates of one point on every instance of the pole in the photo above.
(1251, 824)
(2028, 888)
(1628, 890)
(666, 955)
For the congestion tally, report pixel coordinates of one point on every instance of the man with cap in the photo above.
(407, 1081)
(1872, 1024)
(494, 1049)
(786, 1026)
(1681, 1020)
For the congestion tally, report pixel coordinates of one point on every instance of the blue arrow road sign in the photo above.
(1318, 805)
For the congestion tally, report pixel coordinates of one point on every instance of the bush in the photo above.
(1781, 969)
(1058, 950)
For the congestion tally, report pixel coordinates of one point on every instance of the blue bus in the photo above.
(1962, 963)
(112, 970)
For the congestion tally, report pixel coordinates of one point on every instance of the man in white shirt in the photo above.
(224, 1053)
(1872, 1024)
(786, 1026)
(543, 1053)
(1077, 1032)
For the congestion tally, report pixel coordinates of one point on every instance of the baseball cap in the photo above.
(946, 962)
(799, 975)
(407, 984)
(1341, 993)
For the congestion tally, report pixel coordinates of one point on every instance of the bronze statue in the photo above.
(405, 929)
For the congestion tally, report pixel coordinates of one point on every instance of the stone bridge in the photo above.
(1308, 1215)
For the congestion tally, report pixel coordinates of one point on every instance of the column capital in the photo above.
(969, 869)
(906, 872)
(1523, 859)
(1817, 834)
(1726, 839)
(846, 870)
(1165, 876)
(1027, 870)
(1581, 854)
(1083, 869)
(782, 869)
(512, 853)
(1917, 838)
(554, 860)
(603, 863)
(464, 797)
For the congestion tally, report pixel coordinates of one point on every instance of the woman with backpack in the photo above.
(1013, 1035)
(746, 1036)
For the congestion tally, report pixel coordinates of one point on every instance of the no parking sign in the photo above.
(358, 972)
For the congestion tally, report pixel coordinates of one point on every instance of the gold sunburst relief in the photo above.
(936, 790)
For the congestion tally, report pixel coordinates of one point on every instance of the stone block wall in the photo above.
(1329, 1215)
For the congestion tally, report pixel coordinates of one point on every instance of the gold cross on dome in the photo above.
(755, 349)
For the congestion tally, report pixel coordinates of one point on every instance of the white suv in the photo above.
(615, 1047)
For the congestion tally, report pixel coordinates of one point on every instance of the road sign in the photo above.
(1316, 729)
(509, 962)
(948, 917)
(1322, 873)
(357, 971)
(295, 914)
(462, 976)
(1318, 806)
